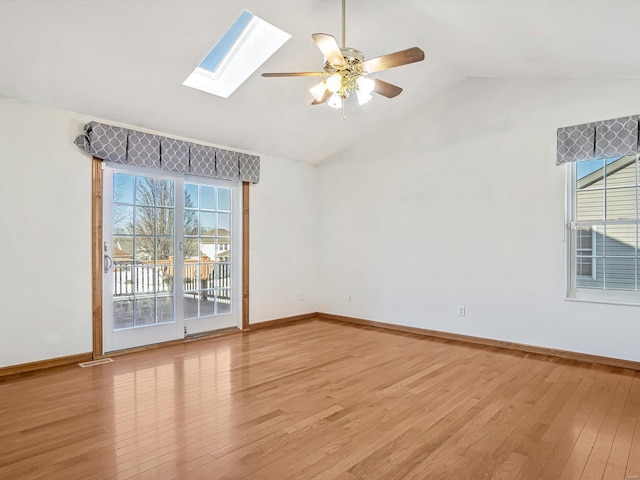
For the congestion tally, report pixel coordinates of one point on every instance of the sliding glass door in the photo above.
(170, 262)
(208, 247)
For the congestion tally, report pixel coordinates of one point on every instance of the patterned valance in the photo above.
(605, 139)
(121, 145)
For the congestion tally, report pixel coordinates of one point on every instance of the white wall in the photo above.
(282, 234)
(462, 204)
(45, 253)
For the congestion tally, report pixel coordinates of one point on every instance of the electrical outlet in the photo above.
(349, 299)
(462, 310)
(301, 297)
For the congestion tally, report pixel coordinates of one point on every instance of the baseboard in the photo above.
(552, 352)
(278, 322)
(23, 368)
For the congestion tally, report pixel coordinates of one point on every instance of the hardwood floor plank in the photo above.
(579, 457)
(633, 462)
(567, 425)
(613, 472)
(323, 400)
(510, 468)
(521, 427)
(597, 462)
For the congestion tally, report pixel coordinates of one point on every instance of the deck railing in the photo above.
(148, 279)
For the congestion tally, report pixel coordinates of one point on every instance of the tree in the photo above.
(151, 202)
(152, 218)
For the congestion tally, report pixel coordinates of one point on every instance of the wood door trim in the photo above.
(245, 256)
(96, 250)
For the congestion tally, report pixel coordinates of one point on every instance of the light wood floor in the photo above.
(328, 401)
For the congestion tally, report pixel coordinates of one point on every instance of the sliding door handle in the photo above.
(108, 263)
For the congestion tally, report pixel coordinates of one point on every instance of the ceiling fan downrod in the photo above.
(344, 23)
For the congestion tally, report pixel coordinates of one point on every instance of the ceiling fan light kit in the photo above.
(346, 72)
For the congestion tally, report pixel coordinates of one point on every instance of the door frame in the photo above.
(97, 233)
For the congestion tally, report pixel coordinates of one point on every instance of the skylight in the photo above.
(244, 47)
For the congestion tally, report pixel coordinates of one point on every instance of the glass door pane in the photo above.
(140, 212)
(208, 269)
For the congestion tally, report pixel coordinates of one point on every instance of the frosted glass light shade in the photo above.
(363, 97)
(334, 82)
(318, 91)
(365, 85)
(335, 101)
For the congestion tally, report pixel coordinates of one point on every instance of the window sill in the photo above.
(606, 301)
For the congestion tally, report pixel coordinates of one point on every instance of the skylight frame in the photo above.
(248, 43)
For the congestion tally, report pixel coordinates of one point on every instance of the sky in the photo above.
(586, 167)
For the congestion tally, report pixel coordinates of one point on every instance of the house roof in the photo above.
(126, 61)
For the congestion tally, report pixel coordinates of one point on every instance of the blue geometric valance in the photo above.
(121, 145)
(605, 139)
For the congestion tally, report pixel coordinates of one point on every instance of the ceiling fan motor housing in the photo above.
(349, 72)
(352, 53)
(353, 58)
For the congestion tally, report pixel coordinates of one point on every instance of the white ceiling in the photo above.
(126, 60)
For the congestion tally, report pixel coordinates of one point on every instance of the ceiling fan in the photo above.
(345, 71)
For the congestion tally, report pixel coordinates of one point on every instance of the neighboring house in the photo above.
(607, 256)
(219, 251)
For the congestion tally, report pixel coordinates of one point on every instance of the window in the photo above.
(603, 230)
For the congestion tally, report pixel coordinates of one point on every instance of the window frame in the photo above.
(572, 291)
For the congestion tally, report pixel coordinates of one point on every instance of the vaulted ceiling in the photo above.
(126, 60)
